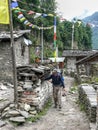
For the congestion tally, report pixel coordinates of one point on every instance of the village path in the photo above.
(69, 118)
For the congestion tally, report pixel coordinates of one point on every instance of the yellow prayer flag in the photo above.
(55, 54)
(4, 12)
(51, 15)
(79, 23)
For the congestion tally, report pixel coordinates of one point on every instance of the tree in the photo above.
(82, 35)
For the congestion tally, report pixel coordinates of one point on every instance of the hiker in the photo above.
(57, 87)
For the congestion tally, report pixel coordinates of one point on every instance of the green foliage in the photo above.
(81, 105)
(82, 33)
(73, 89)
(65, 34)
(48, 5)
(94, 79)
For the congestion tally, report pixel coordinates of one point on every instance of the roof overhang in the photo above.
(16, 34)
(89, 59)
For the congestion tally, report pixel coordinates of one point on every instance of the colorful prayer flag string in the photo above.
(14, 5)
(18, 11)
(23, 20)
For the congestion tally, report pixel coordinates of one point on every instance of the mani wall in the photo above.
(88, 99)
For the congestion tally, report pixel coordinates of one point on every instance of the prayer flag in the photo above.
(37, 15)
(44, 15)
(31, 12)
(79, 22)
(51, 15)
(4, 12)
(14, 4)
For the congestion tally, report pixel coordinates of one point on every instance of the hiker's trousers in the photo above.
(57, 95)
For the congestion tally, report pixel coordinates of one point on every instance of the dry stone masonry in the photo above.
(21, 53)
(33, 93)
(88, 98)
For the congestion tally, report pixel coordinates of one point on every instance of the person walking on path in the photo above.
(57, 87)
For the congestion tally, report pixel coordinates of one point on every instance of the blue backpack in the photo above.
(62, 78)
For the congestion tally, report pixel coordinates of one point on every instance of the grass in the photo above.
(81, 105)
(73, 89)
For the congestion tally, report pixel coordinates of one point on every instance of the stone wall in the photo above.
(33, 90)
(5, 61)
(34, 95)
(71, 67)
(88, 98)
(21, 52)
(31, 100)
(22, 58)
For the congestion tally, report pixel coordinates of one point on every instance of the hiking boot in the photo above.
(55, 106)
(60, 107)
(64, 95)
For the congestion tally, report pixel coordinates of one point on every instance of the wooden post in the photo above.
(97, 111)
(13, 56)
(42, 49)
(72, 46)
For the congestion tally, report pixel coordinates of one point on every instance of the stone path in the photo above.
(69, 118)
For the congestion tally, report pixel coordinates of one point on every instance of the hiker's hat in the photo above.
(55, 70)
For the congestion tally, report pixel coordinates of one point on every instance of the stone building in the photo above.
(21, 53)
(91, 70)
(72, 56)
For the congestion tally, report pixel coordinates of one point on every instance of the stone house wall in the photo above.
(22, 58)
(71, 67)
(5, 61)
(21, 52)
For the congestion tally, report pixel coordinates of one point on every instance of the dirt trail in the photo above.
(69, 118)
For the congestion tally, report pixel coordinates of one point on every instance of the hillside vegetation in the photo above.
(82, 36)
(93, 22)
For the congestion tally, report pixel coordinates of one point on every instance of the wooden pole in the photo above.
(42, 49)
(72, 36)
(13, 56)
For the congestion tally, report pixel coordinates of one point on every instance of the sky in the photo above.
(79, 9)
